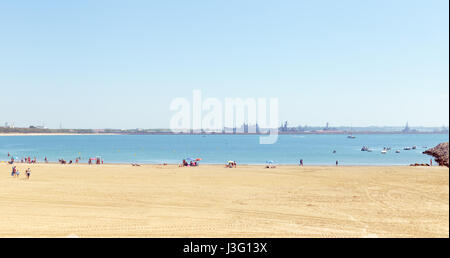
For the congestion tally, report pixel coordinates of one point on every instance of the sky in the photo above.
(119, 64)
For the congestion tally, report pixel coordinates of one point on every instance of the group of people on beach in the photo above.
(98, 161)
(29, 160)
(63, 161)
(16, 173)
(192, 163)
(231, 164)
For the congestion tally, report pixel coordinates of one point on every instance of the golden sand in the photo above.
(213, 201)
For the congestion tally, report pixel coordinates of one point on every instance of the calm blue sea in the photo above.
(217, 149)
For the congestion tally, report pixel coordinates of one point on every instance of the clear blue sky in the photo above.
(118, 64)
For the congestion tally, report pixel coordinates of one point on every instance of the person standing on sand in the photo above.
(337, 163)
(301, 162)
(431, 162)
(28, 173)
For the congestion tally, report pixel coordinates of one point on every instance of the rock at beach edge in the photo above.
(440, 153)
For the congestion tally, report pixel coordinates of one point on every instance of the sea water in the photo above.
(218, 149)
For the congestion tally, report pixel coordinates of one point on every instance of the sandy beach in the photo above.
(213, 201)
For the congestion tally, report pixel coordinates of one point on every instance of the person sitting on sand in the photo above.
(28, 172)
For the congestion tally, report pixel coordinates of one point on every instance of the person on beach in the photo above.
(28, 172)
(431, 162)
(301, 162)
(337, 163)
(46, 161)
(13, 172)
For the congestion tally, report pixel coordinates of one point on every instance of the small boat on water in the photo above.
(351, 137)
(383, 151)
(397, 151)
(365, 148)
(407, 148)
(414, 147)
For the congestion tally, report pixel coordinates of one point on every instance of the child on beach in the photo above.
(28, 172)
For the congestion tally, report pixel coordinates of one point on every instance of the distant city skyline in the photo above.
(245, 125)
(111, 64)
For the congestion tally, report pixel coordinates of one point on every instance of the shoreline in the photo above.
(210, 164)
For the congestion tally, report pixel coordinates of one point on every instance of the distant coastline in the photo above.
(245, 129)
(53, 134)
(206, 133)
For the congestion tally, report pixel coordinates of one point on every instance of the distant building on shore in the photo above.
(408, 129)
(7, 125)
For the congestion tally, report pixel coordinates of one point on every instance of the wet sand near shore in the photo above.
(214, 201)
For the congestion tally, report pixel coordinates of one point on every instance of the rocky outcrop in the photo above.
(420, 165)
(440, 153)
